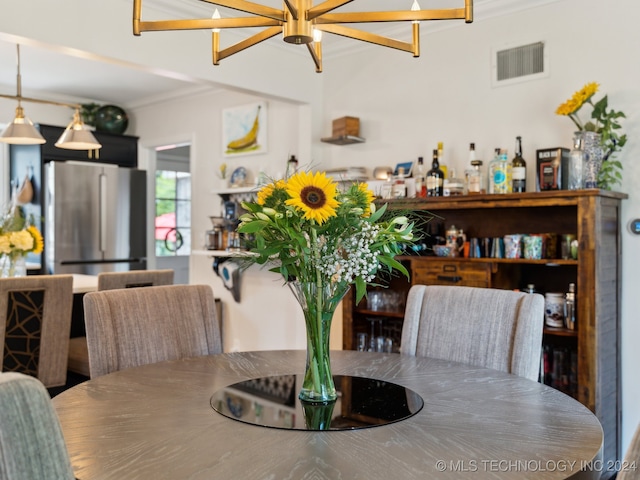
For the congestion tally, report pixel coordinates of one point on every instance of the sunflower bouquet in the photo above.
(322, 241)
(604, 121)
(312, 232)
(17, 238)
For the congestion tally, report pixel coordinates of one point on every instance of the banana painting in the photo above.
(248, 141)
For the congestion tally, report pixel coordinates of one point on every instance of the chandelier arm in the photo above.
(315, 49)
(249, 42)
(325, 7)
(250, 7)
(206, 24)
(368, 37)
(392, 16)
(292, 9)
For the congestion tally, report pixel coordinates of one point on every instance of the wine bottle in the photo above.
(518, 170)
(421, 186)
(435, 178)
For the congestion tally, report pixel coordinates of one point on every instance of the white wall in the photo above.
(267, 316)
(446, 95)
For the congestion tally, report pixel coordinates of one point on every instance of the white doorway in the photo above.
(172, 212)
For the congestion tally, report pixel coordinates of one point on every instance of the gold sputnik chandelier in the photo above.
(302, 23)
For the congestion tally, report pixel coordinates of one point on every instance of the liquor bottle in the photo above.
(421, 185)
(435, 178)
(399, 189)
(441, 159)
(498, 171)
(453, 185)
(570, 307)
(292, 166)
(518, 170)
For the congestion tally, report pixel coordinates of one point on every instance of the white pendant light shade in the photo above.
(77, 137)
(21, 131)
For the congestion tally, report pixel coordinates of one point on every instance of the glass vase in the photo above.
(12, 265)
(576, 163)
(319, 302)
(593, 158)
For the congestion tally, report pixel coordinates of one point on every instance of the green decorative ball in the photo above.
(111, 119)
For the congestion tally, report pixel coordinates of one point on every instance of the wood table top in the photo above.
(156, 422)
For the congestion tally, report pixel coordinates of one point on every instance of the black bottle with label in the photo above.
(435, 178)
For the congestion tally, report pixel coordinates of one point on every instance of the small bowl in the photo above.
(442, 250)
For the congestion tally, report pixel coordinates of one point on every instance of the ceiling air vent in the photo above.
(519, 64)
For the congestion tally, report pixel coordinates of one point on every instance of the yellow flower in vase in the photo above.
(315, 195)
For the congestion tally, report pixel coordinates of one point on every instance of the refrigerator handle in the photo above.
(103, 212)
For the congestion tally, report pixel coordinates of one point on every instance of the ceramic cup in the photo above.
(532, 247)
(513, 246)
(554, 309)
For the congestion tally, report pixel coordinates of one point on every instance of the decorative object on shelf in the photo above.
(88, 113)
(222, 176)
(302, 23)
(322, 240)
(22, 132)
(238, 178)
(17, 238)
(593, 159)
(604, 122)
(576, 163)
(244, 130)
(111, 119)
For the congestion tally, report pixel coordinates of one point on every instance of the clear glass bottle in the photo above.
(570, 307)
(475, 179)
(292, 166)
(453, 185)
(518, 170)
(435, 178)
(498, 173)
(576, 164)
(421, 185)
(399, 189)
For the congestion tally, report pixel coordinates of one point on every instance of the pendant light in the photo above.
(21, 130)
(77, 137)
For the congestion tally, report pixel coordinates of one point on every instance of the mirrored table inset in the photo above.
(273, 402)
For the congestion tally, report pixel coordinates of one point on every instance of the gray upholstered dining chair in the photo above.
(137, 326)
(499, 329)
(35, 323)
(31, 443)
(630, 466)
(78, 354)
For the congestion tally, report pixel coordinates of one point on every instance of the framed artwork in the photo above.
(244, 130)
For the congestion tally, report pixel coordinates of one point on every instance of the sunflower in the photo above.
(578, 99)
(266, 193)
(38, 243)
(367, 196)
(314, 194)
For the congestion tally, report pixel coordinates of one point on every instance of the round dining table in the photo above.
(157, 422)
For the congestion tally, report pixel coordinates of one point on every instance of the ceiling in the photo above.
(86, 77)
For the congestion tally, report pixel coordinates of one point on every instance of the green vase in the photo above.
(319, 302)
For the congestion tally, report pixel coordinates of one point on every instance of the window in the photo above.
(173, 213)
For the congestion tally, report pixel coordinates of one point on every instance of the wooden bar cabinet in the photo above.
(593, 216)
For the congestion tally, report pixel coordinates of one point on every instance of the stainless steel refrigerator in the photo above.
(94, 218)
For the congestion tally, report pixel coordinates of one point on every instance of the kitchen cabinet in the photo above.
(121, 150)
(594, 217)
